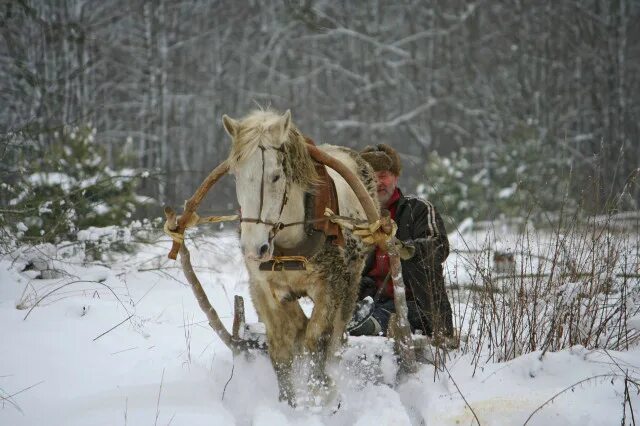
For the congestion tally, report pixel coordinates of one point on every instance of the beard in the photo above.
(384, 194)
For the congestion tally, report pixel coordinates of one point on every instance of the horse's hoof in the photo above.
(288, 398)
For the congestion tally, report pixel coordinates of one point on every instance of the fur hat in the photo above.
(382, 158)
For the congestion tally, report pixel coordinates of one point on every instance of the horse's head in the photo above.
(261, 160)
(273, 167)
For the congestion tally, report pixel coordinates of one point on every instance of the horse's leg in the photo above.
(340, 320)
(318, 342)
(285, 324)
(283, 337)
(345, 305)
(334, 300)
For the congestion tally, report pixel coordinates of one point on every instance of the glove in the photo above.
(376, 233)
(367, 287)
(405, 250)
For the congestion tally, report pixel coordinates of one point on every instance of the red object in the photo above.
(381, 266)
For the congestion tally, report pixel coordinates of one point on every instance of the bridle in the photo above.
(275, 226)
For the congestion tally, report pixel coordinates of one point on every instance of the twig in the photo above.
(74, 282)
(124, 350)
(15, 405)
(114, 327)
(627, 400)
(144, 295)
(158, 402)
(588, 379)
(8, 397)
(233, 366)
(171, 419)
(159, 268)
(187, 336)
(460, 392)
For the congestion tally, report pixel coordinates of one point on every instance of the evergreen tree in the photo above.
(523, 177)
(66, 188)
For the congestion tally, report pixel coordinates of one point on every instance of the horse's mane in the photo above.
(261, 127)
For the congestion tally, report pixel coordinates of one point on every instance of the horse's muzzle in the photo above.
(262, 253)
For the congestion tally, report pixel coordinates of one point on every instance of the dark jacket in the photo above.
(420, 225)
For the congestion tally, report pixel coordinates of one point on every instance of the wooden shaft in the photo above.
(203, 301)
(238, 318)
(354, 181)
(403, 338)
(192, 204)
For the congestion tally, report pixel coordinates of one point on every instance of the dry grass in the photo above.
(576, 284)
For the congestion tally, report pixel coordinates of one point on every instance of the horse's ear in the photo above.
(286, 122)
(230, 125)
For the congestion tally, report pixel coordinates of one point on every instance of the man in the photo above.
(419, 225)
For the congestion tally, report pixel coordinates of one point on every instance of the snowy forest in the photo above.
(518, 120)
(540, 97)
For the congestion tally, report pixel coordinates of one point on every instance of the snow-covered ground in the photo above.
(124, 342)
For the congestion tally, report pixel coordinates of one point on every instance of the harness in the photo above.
(277, 226)
(318, 228)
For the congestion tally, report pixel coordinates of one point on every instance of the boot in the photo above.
(364, 309)
(370, 327)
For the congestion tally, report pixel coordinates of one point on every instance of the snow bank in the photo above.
(125, 343)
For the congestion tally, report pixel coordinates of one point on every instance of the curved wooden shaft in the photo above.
(354, 181)
(203, 300)
(235, 342)
(192, 203)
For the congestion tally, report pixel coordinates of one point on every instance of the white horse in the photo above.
(275, 182)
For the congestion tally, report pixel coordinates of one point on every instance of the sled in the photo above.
(403, 341)
(408, 349)
(369, 348)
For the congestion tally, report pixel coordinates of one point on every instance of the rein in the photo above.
(275, 226)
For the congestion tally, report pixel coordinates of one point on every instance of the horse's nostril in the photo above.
(263, 249)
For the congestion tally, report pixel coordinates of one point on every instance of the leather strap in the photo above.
(285, 265)
(325, 196)
(318, 229)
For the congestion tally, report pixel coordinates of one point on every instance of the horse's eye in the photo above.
(275, 178)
